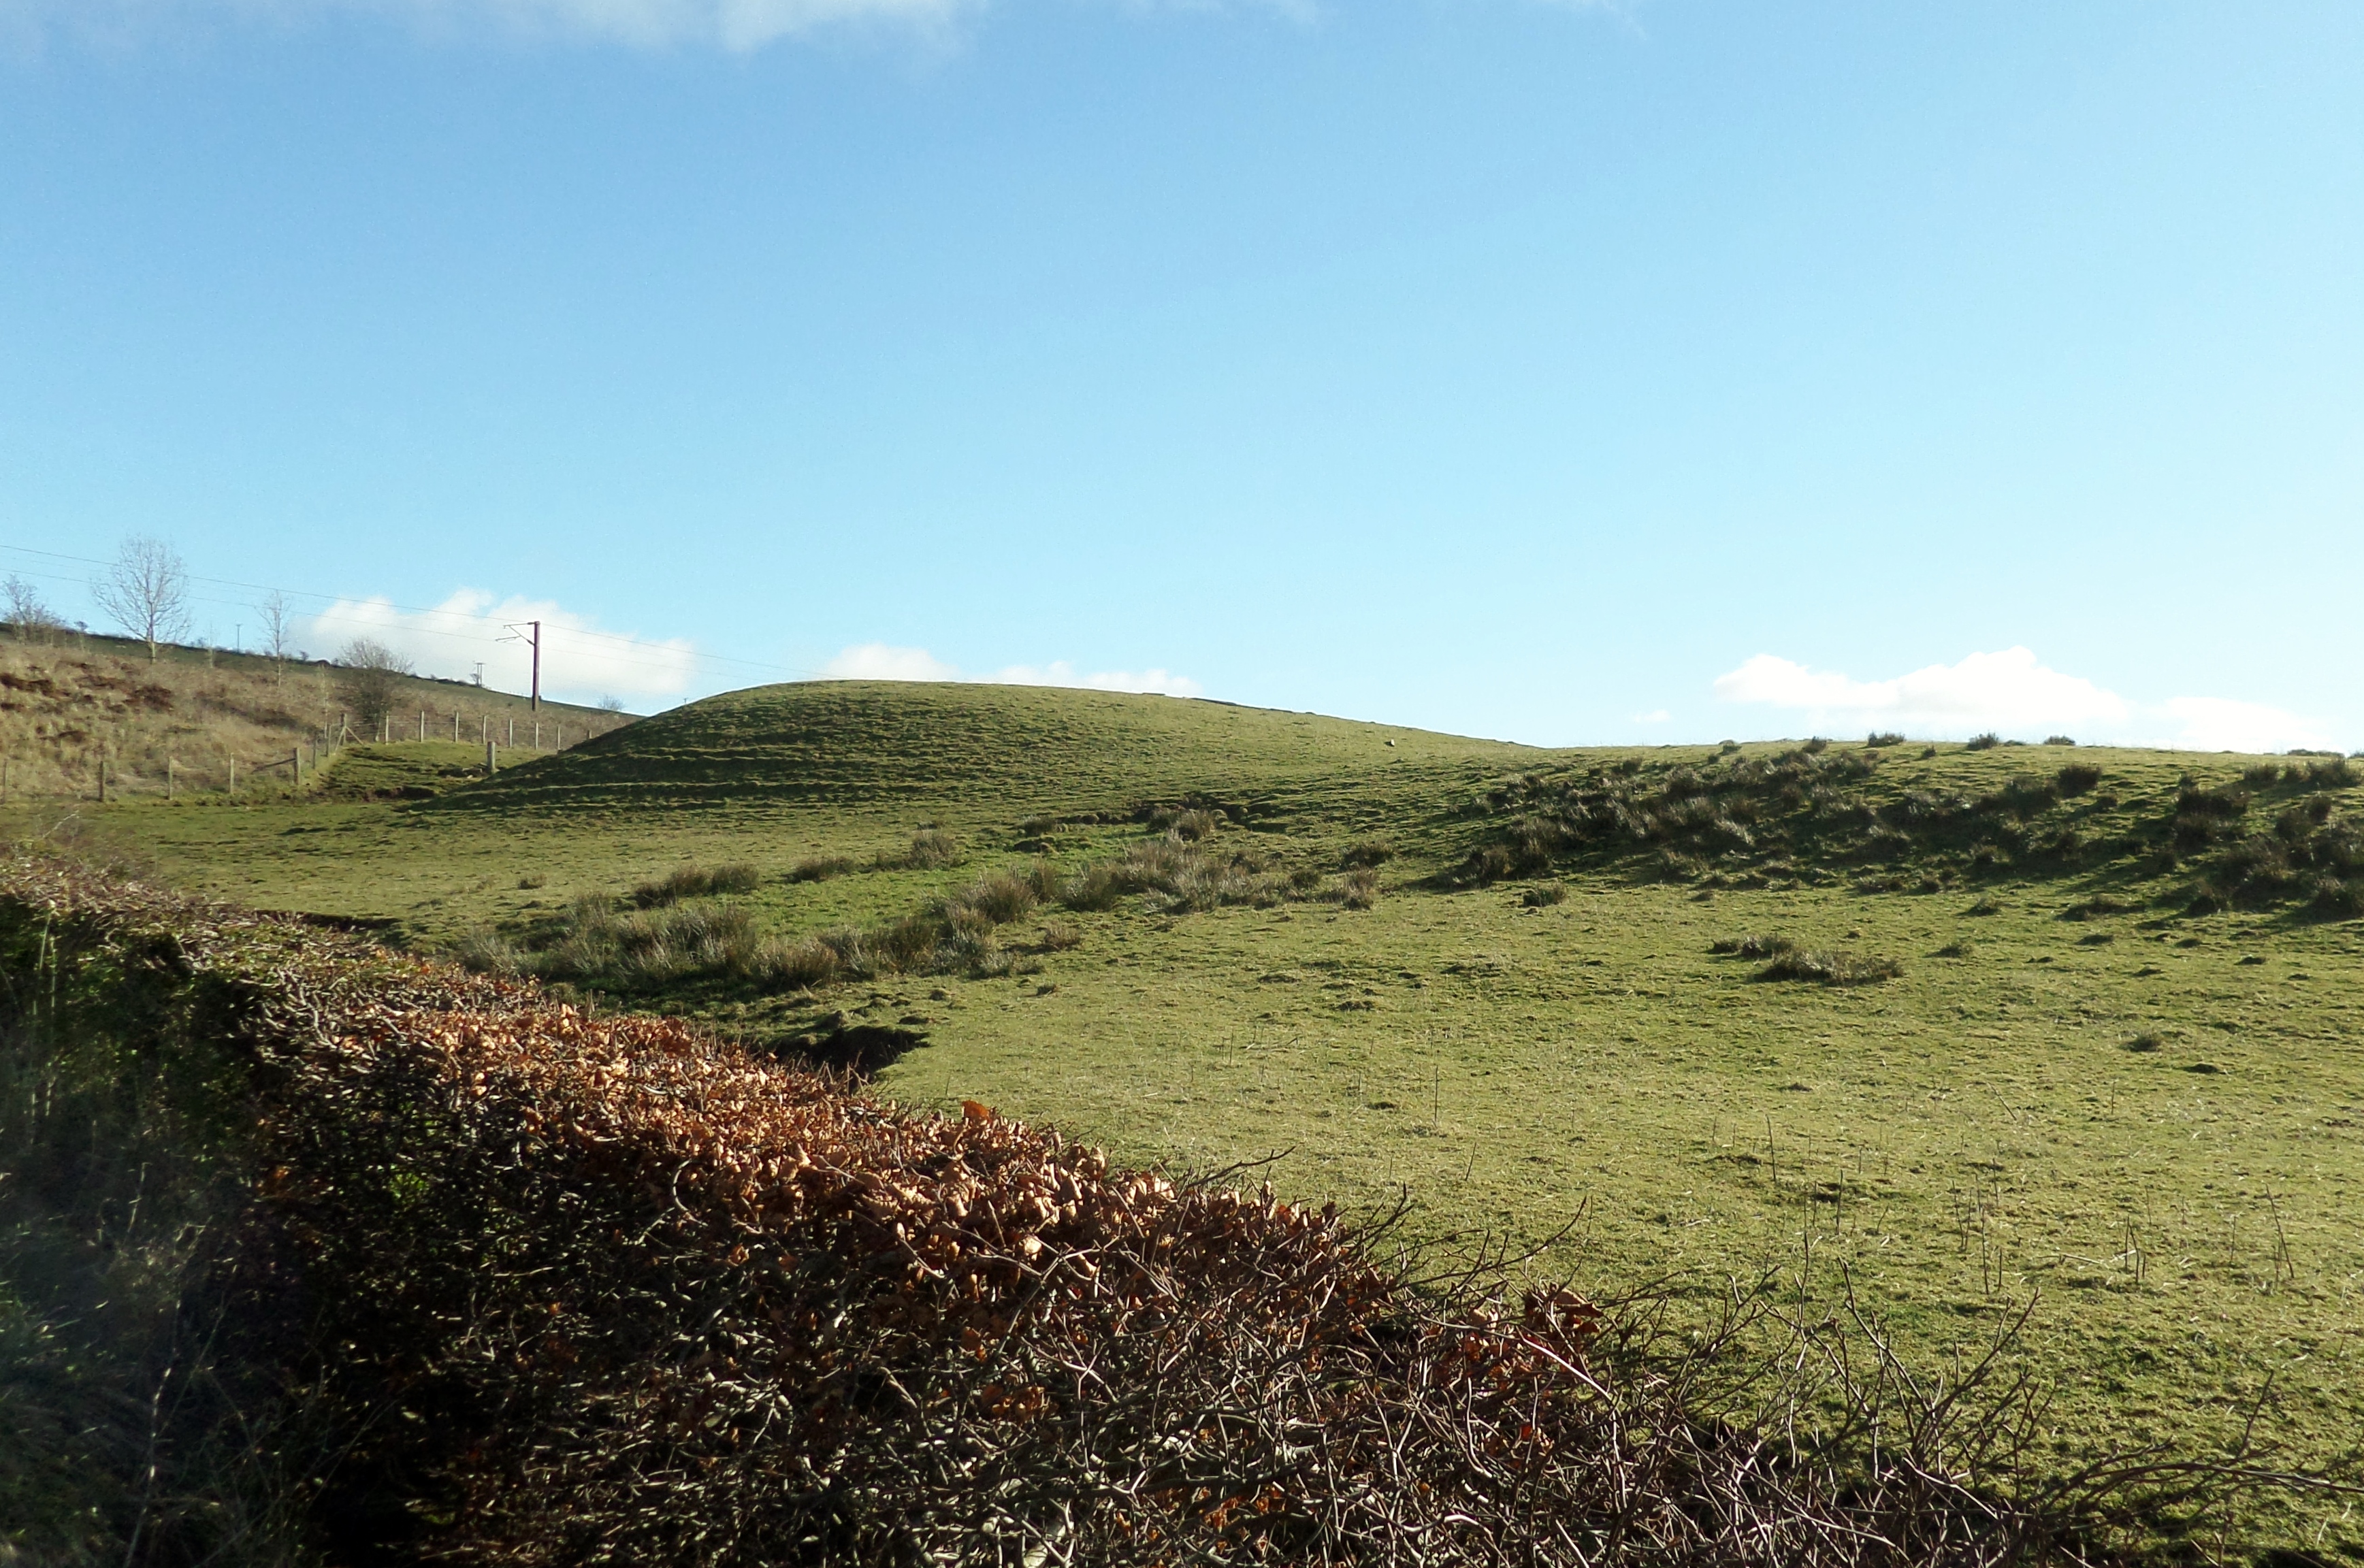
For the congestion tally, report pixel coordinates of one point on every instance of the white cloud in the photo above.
(470, 627)
(883, 661)
(738, 25)
(2009, 692)
(2220, 724)
(879, 662)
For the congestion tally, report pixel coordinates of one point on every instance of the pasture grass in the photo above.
(2160, 1136)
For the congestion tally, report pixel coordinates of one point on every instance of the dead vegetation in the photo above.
(70, 703)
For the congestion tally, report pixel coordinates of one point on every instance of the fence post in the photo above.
(491, 762)
(233, 775)
(295, 765)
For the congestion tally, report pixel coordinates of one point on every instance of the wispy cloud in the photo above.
(737, 24)
(470, 627)
(884, 662)
(2013, 694)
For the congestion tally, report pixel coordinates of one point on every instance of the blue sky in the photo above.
(1568, 373)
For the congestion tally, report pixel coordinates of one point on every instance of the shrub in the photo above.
(1542, 898)
(2077, 778)
(1194, 825)
(1096, 886)
(1057, 936)
(1878, 738)
(999, 898)
(2337, 899)
(1986, 743)
(2145, 1041)
(1815, 747)
(486, 951)
(696, 882)
(932, 849)
(369, 675)
(821, 868)
(1831, 968)
(1366, 852)
(2261, 775)
(802, 963)
(1359, 888)
(1753, 947)
(2336, 774)
(2059, 740)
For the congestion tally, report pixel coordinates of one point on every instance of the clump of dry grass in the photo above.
(697, 882)
(932, 849)
(1752, 947)
(1831, 967)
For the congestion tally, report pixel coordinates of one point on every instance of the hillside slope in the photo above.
(71, 702)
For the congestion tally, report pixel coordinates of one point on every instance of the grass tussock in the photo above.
(1831, 967)
(696, 882)
(932, 849)
(821, 868)
(1752, 947)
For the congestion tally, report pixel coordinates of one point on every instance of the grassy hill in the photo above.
(2103, 1052)
(1021, 749)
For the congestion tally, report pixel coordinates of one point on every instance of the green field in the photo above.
(2080, 1088)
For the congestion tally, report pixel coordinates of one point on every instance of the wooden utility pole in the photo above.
(529, 633)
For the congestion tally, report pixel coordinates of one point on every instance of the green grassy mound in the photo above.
(1029, 748)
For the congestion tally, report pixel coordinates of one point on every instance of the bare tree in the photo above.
(33, 620)
(147, 591)
(278, 627)
(369, 676)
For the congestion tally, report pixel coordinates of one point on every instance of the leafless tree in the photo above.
(33, 620)
(278, 627)
(147, 591)
(369, 675)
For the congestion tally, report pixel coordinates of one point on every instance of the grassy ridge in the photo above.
(2079, 1087)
